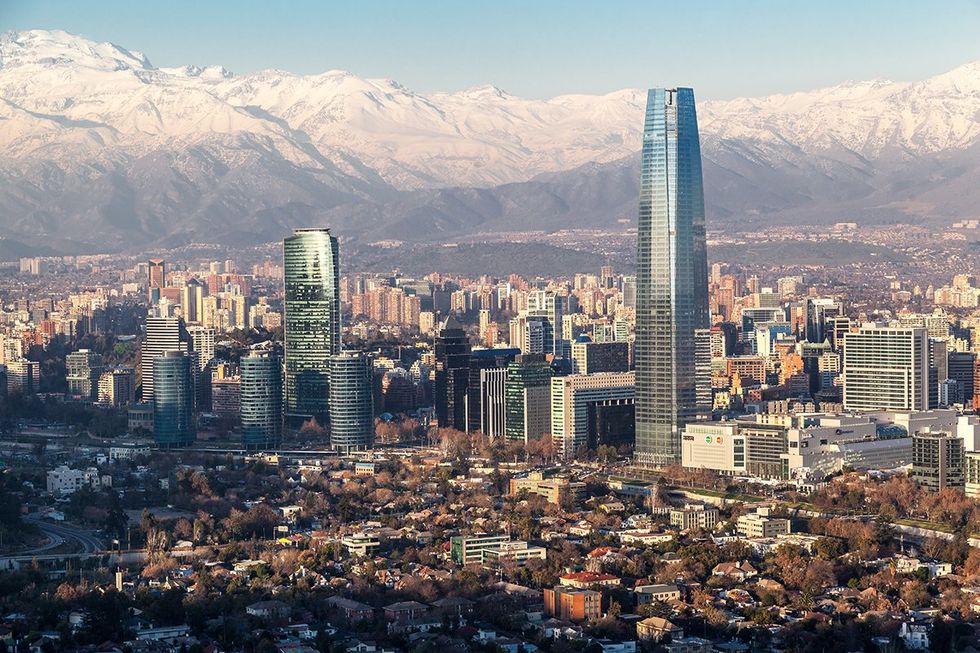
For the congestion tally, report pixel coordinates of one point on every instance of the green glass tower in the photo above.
(312, 320)
(173, 400)
(261, 400)
(527, 398)
(672, 275)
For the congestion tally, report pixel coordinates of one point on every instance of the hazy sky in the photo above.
(725, 48)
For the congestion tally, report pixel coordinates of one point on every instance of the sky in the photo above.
(539, 48)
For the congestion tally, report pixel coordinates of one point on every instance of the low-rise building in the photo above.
(644, 594)
(558, 491)
(761, 524)
(64, 480)
(571, 604)
(656, 629)
(694, 515)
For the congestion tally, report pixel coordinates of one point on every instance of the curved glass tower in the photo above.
(261, 400)
(173, 400)
(672, 275)
(351, 402)
(312, 320)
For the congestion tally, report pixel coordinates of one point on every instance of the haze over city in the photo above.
(496, 327)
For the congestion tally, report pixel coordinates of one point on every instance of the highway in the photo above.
(59, 533)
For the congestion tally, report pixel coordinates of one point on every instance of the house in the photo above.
(610, 646)
(361, 544)
(268, 610)
(656, 629)
(689, 645)
(915, 636)
(162, 632)
(740, 571)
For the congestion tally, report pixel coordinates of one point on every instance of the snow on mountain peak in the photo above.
(57, 47)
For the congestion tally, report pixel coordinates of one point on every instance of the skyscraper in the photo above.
(452, 354)
(162, 334)
(261, 400)
(351, 402)
(173, 399)
(311, 271)
(156, 273)
(672, 275)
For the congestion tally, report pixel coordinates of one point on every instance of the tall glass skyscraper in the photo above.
(351, 402)
(312, 322)
(672, 275)
(261, 400)
(173, 399)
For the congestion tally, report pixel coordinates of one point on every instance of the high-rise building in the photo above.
(551, 307)
(351, 402)
(84, 368)
(261, 400)
(162, 334)
(485, 406)
(156, 273)
(960, 366)
(117, 387)
(202, 341)
(23, 376)
(527, 398)
(173, 400)
(226, 397)
(592, 409)
(192, 301)
(672, 275)
(886, 369)
(590, 357)
(452, 353)
(311, 270)
(937, 460)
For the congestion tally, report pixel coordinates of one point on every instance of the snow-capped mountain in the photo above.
(98, 146)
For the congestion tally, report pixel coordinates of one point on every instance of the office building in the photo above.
(156, 273)
(117, 387)
(672, 275)
(83, 370)
(173, 400)
(192, 301)
(938, 460)
(163, 334)
(261, 400)
(886, 369)
(960, 368)
(527, 397)
(311, 271)
(351, 402)
(452, 354)
(591, 357)
(592, 409)
(551, 307)
(485, 393)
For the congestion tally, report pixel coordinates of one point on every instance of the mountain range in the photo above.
(100, 151)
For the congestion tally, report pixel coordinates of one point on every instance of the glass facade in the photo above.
(452, 353)
(351, 402)
(527, 398)
(173, 400)
(312, 320)
(672, 275)
(261, 401)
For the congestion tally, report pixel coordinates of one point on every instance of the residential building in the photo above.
(569, 604)
(559, 491)
(84, 367)
(694, 515)
(761, 523)
(937, 460)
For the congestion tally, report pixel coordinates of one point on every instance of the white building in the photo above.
(64, 480)
(575, 395)
(886, 369)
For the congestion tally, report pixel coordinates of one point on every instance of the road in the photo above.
(59, 533)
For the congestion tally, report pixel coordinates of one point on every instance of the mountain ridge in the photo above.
(98, 146)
